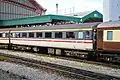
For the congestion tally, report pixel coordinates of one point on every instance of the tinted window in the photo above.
(31, 35)
(6, 34)
(48, 34)
(11, 34)
(17, 35)
(88, 35)
(58, 34)
(70, 35)
(39, 34)
(24, 34)
(0, 34)
(80, 35)
(109, 35)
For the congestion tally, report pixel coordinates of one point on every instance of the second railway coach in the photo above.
(108, 40)
(108, 36)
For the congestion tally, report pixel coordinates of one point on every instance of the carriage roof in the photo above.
(109, 24)
(66, 26)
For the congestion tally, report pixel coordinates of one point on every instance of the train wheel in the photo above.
(108, 59)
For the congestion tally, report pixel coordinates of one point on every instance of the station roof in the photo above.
(81, 14)
(52, 18)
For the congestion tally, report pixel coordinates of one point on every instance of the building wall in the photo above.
(10, 11)
(111, 10)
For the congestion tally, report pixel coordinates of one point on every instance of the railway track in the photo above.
(106, 64)
(100, 62)
(103, 63)
(77, 73)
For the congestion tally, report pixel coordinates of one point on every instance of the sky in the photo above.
(71, 6)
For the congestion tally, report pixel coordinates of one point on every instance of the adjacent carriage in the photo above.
(108, 40)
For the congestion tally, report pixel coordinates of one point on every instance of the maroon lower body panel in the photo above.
(114, 46)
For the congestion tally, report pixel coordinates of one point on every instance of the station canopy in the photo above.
(90, 16)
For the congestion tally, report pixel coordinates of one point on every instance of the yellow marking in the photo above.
(74, 29)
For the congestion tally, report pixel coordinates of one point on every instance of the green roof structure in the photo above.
(88, 17)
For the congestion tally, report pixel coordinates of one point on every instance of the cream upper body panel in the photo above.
(115, 36)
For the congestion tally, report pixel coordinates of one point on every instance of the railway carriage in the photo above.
(108, 40)
(70, 39)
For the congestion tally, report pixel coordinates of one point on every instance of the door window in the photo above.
(100, 35)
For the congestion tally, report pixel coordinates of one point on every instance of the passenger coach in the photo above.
(69, 39)
(108, 40)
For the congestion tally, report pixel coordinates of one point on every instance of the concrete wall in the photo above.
(111, 10)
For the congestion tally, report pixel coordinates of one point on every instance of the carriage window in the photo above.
(0, 34)
(70, 35)
(80, 35)
(39, 34)
(58, 34)
(13, 35)
(110, 35)
(48, 34)
(31, 35)
(17, 35)
(100, 35)
(24, 34)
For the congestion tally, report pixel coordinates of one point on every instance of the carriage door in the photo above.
(100, 39)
